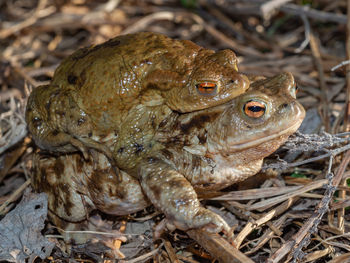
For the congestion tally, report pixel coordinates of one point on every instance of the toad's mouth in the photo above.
(253, 142)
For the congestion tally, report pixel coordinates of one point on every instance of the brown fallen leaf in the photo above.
(20, 230)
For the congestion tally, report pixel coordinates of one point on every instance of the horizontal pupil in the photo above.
(206, 87)
(255, 108)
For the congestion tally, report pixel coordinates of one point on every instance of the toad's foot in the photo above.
(205, 219)
(174, 195)
(211, 222)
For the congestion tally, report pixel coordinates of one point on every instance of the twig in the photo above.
(218, 247)
(236, 28)
(40, 12)
(25, 76)
(251, 194)
(269, 7)
(146, 20)
(292, 9)
(143, 257)
(301, 239)
(347, 102)
(282, 209)
(318, 63)
(278, 199)
(346, 128)
(117, 242)
(284, 165)
(341, 258)
(248, 51)
(170, 250)
(264, 219)
(303, 235)
(342, 64)
(10, 158)
(14, 196)
(313, 13)
(307, 35)
(17, 128)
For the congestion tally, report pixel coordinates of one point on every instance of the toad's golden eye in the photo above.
(254, 109)
(206, 88)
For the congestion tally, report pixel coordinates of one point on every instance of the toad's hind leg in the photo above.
(68, 202)
(75, 187)
(171, 193)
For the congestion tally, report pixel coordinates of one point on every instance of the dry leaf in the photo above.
(20, 230)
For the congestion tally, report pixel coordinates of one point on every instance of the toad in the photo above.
(97, 88)
(166, 158)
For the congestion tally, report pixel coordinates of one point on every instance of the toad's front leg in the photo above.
(172, 193)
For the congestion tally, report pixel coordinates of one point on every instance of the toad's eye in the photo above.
(254, 109)
(206, 88)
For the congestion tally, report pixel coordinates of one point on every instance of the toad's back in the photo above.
(112, 75)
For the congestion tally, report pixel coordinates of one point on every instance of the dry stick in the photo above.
(18, 69)
(39, 12)
(300, 239)
(313, 13)
(248, 51)
(142, 23)
(268, 8)
(264, 219)
(306, 41)
(342, 64)
(265, 204)
(341, 258)
(310, 160)
(251, 38)
(267, 236)
(171, 253)
(318, 62)
(11, 157)
(252, 194)
(287, 8)
(313, 256)
(143, 257)
(341, 211)
(16, 194)
(347, 113)
(165, 15)
(218, 247)
(341, 204)
(346, 128)
(118, 242)
(187, 259)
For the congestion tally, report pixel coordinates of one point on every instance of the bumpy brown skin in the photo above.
(177, 157)
(94, 89)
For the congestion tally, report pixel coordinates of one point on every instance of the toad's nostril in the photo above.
(284, 106)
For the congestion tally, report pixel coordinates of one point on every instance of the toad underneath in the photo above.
(168, 144)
